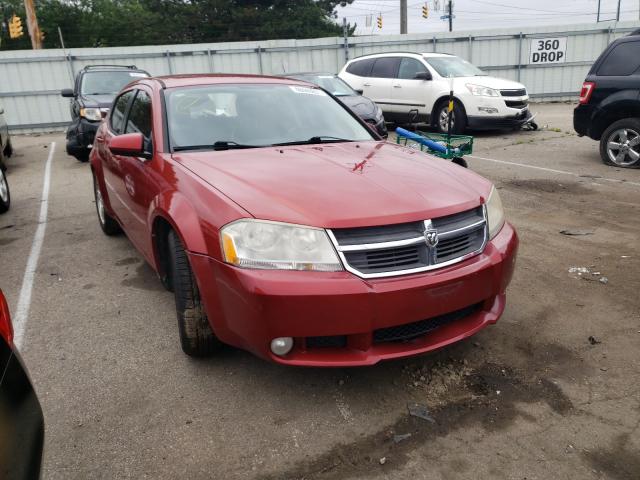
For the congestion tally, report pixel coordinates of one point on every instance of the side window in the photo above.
(385, 67)
(140, 115)
(361, 68)
(409, 67)
(118, 111)
(623, 60)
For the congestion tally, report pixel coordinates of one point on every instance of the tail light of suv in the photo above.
(585, 93)
(6, 330)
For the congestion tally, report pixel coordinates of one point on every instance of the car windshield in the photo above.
(226, 116)
(454, 67)
(330, 83)
(107, 83)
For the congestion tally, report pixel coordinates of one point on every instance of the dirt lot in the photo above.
(529, 398)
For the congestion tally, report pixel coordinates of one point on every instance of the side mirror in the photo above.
(66, 92)
(423, 76)
(360, 92)
(129, 145)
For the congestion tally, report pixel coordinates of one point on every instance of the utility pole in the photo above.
(403, 16)
(345, 34)
(32, 25)
(450, 16)
(618, 12)
(598, 17)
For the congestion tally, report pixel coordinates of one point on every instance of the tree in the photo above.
(106, 23)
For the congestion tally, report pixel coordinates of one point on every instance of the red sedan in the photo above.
(285, 226)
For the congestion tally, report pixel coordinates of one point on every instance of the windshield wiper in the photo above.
(314, 140)
(219, 145)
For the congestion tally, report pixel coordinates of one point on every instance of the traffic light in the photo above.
(380, 21)
(425, 11)
(15, 27)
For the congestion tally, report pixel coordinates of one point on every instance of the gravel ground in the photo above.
(531, 397)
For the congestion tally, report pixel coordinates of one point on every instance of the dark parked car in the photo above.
(21, 420)
(609, 108)
(95, 88)
(5, 151)
(362, 106)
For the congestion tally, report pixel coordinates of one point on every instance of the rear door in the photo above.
(112, 164)
(409, 93)
(378, 85)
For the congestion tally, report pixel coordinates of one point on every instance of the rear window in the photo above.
(385, 67)
(107, 83)
(361, 68)
(623, 60)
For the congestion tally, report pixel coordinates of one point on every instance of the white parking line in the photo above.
(24, 301)
(553, 170)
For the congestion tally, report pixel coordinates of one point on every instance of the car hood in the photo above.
(102, 101)
(361, 106)
(339, 185)
(491, 82)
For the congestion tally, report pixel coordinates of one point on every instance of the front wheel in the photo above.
(5, 195)
(196, 337)
(458, 118)
(620, 144)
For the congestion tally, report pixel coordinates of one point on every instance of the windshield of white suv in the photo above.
(454, 67)
(107, 83)
(227, 116)
(330, 83)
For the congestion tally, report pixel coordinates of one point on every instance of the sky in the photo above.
(483, 14)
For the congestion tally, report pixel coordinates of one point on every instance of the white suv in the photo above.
(403, 83)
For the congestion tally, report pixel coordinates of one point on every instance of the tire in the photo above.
(107, 223)
(82, 157)
(620, 144)
(5, 194)
(196, 337)
(458, 122)
(8, 149)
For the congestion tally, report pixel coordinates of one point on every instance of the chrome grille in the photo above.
(520, 92)
(383, 251)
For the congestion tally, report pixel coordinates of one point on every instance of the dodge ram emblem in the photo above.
(430, 234)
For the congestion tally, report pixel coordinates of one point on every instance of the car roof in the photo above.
(407, 54)
(188, 80)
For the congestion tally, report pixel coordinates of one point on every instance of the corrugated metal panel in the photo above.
(31, 80)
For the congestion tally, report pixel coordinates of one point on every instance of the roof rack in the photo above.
(399, 53)
(129, 67)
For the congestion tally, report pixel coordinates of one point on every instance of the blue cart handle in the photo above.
(422, 140)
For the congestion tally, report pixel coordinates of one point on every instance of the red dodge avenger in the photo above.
(285, 226)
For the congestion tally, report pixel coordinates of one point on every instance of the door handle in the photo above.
(397, 86)
(366, 85)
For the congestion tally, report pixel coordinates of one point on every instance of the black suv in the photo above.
(95, 88)
(609, 108)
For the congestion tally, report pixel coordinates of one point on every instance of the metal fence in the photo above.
(32, 80)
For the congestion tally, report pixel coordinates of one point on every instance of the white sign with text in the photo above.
(548, 50)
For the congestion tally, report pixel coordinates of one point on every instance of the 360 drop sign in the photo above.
(548, 50)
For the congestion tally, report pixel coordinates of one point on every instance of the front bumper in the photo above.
(248, 308)
(80, 136)
(492, 122)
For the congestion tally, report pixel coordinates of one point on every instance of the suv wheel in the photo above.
(5, 195)
(458, 118)
(620, 144)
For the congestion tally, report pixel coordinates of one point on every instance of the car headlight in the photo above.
(279, 246)
(482, 91)
(91, 114)
(495, 213)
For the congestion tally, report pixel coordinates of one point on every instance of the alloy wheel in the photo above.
(444, 120)
(623, 147)
(99, 203)
(4, 188)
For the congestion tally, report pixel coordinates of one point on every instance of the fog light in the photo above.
(488, 109)
(282, 345)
